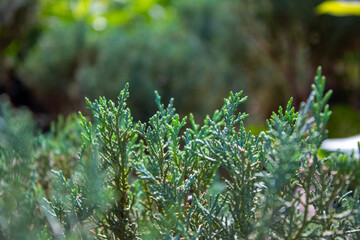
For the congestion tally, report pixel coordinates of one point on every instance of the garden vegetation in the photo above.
(172, 178)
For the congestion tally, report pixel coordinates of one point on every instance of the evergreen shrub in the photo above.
(171, 178)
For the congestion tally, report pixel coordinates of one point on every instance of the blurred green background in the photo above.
(53, 53)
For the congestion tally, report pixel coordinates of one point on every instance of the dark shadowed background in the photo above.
(53, 53)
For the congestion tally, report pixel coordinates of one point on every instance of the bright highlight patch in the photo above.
(339, 8)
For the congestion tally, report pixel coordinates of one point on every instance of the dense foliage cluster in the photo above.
(171, 178)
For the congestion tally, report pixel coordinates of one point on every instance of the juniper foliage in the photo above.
(172, 178)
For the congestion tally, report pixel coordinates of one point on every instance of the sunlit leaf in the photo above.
(339, 8)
